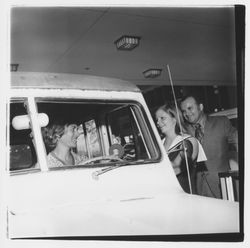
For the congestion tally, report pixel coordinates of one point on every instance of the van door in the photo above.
(103, 177)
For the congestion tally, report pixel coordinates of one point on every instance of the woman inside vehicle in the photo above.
(60, 140)
(174, 140)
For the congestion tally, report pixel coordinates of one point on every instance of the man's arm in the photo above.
(231, 134)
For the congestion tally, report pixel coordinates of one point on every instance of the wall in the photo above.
(216, 98)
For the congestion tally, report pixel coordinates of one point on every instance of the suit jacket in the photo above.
(218, 134)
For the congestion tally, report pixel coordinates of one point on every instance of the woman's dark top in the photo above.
(183, 175)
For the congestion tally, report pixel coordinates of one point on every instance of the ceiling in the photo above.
(198, 44)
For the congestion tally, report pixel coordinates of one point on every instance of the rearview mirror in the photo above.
(21, 122)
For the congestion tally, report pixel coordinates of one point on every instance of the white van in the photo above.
(126, 186)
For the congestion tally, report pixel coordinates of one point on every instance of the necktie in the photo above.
(198, 132)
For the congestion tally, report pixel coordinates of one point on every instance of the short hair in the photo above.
(51, 134)
(170, 108)
(196, 97)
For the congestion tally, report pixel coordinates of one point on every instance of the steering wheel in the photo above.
(92, 160)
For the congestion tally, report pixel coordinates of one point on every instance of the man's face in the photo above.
(191, 111)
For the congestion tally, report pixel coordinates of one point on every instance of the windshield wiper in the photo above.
(96, 174)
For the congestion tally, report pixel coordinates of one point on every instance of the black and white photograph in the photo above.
(124, 123)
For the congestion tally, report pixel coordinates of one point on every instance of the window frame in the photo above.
(141, 118)
(31, 111)
(143, 124)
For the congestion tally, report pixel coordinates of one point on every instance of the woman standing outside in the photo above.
(167, 122)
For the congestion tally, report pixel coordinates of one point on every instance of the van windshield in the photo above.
(96, 133)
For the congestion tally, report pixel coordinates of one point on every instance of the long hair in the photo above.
(170, 109)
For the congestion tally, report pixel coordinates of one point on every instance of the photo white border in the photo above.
(4, 68)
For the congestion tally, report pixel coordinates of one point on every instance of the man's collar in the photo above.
(202, 121)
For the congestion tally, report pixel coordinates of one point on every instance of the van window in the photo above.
(125, 130)
(109, 128)
(112, 132)
(22, 151)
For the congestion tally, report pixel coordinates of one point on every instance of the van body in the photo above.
(134, 193)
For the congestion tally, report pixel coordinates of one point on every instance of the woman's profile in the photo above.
(60, 140)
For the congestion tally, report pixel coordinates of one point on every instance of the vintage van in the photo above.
(125, 187)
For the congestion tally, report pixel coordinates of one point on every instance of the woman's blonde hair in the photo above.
(171, 109)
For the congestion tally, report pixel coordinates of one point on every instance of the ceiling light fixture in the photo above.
(14, 67)
(127, 43)
(152, 73)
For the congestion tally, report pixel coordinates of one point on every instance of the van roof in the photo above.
(43, 80)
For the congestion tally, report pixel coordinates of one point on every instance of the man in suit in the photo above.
(215, 133)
